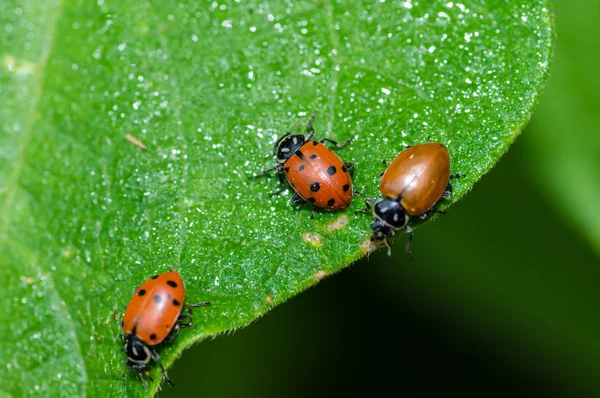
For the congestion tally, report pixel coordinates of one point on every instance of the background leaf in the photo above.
(207, 88)
(565, 142)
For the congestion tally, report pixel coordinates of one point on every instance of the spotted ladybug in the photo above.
(316, 173)
(153, 316)
(412, 184)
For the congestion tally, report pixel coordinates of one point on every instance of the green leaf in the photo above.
(87, 215)
(564, 139)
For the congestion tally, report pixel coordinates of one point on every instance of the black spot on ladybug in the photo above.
(300, 154)
(154, 277)
(346, 187)
(172, 283)
(311, 200)
(313, 156)
(158, 299)
(315, 143)
(141, 292)
(301, 167)
(176, 303)
(315, 186)
(344, 168)
(330, 202)
(331, 170)
(153, 336)
(286, 169)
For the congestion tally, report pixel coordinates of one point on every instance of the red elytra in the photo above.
(417, 177)
(155, 308)
(319, 177)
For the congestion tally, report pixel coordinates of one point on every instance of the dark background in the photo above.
(503, 295)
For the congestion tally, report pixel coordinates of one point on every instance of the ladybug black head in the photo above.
(288, 145)
(390, 215)
(138, 353)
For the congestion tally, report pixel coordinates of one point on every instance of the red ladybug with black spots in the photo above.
(316, 173)
(153, 316)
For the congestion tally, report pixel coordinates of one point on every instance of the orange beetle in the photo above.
(153, 315)
(316, 173)
(412, 184)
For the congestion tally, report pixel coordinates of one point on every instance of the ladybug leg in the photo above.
(277, 167)
(314, 211)
(135, 288)
(309, 127)
(174, 332)
(156, 357)
(297, 198)
(350, 168)
(127, 372)
(338, 145)
(368, 204)
(424, 216)
(144, 380)
(386, 164)
(183, 316)
(409, 243)
(448, 192)
(282, 185)
(140, 377)
(389, 248)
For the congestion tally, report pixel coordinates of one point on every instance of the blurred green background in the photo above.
(502, 298)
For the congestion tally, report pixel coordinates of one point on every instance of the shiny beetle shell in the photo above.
(417, 177)
(155, 308)
(319, 176)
